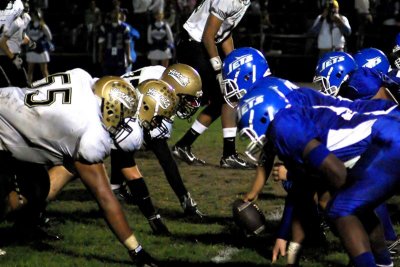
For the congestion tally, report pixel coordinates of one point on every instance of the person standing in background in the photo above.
(114, 46)
(39, 32)
(134, 35)
(364, 18)
(161, 40)
(331, 28)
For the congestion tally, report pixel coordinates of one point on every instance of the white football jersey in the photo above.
(146, 73)
(229, 11)
(56, 122)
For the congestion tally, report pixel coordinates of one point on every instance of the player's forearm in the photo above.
(209, 44)
(4, 47)
(227, 45)
(96, 180)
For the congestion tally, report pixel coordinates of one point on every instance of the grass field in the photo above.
(213, 242)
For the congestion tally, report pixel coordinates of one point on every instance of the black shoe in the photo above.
(142, 258)
(190, 207)
(185, 154)
(158, 226)
(394, 248)
(34, 233)
(43, 220)
(234, 161)
(123, 194)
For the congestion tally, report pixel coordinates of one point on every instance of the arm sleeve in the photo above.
(345, 26)
(285, 226)
(316, 27)
(47, 32)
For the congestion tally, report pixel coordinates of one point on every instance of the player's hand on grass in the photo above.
(279, 249)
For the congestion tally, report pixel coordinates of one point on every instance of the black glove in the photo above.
(142, 258)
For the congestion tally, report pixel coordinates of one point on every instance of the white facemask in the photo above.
(130, 138)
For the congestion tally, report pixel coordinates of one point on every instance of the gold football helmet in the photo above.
(158, 101)
(118, 101)
(187, 84)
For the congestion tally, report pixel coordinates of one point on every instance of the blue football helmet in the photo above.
(240, 70)
(396, 51)
(256, 111)
(332, 70)
(372, 58)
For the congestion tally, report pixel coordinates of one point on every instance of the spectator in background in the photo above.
(93, 20)
(12, 71)
(133, 35)
(40, 33)
(161, 41)
(331, 29)
(364, 18)
(92, 17)
(156, 6)
(140, 20)
(114, 46)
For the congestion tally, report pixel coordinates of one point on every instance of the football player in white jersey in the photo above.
(207, 31)
(187, 85)
(12, 36)
(61, 121)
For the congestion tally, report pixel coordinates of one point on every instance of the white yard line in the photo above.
(225, 255)
(2, 252)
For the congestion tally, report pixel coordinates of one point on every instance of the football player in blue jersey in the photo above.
(339, 144)
(365, 76)
(299, 96)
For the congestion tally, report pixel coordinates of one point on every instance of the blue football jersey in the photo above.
(344, 132)
(309, 97)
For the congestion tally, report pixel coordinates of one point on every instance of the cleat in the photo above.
(185, 154)
(2, 252)
(123, 194)
(394, 248)
(235, 162)
(190, 207)
(34, 233)
(158, 226)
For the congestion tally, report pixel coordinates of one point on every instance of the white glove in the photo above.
(17, 61)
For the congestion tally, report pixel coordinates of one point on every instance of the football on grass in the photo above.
(248, 217)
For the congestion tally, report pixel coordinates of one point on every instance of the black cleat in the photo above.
(190, 207)
(234, 161)
(35, 233)
(185, 154)
(142, 258)
(158, 226)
